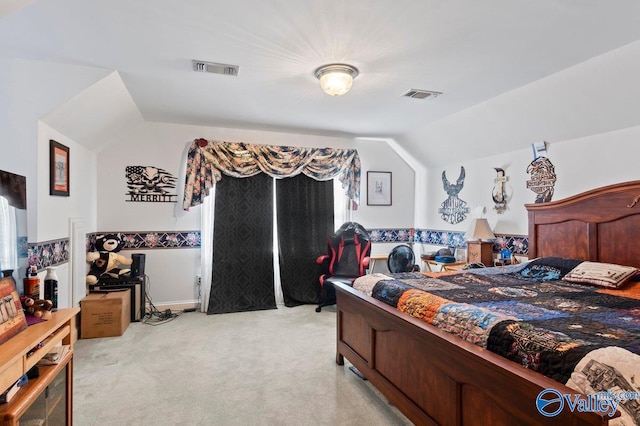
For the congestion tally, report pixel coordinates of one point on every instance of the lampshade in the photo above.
(479, 230)
(336, 79)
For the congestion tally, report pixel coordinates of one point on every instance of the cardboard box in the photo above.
(105, 314)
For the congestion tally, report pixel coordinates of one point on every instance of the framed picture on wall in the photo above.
(58, 169)
(378, 188)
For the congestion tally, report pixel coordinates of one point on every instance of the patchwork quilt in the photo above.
(583, 336)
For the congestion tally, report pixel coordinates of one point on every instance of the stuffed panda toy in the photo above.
(105, 262)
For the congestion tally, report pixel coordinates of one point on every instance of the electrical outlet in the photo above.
(197, 288)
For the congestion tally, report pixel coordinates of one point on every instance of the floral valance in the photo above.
(208, 160)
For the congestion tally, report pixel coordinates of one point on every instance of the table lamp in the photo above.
(479, 251)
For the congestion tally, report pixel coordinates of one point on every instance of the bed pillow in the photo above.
(548, 268)
(601, 274)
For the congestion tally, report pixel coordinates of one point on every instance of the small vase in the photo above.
(51, 287)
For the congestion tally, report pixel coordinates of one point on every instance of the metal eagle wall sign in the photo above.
(453, 209)
(543, 179)
(150, 185)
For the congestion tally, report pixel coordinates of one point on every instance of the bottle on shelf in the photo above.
(32, 283)
(51, 287)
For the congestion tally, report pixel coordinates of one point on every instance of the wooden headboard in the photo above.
(599, 225)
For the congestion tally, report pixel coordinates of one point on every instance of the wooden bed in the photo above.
(442, 379)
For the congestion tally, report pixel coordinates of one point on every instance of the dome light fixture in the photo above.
(336, 79)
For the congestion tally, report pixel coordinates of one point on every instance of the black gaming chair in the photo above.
(402, 259)
(347, 258)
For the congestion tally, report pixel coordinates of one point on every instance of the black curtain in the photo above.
(305, 221)
(242, 275)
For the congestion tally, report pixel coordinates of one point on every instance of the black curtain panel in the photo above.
(242, 275)
(305, 221)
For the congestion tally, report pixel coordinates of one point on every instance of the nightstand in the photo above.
(441, 266)
(454, 267)
(480, 252)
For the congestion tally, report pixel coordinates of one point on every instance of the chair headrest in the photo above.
(349, 229)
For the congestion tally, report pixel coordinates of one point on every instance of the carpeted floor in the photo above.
(274, 367)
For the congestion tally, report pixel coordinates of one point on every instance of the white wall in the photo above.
(55, 211)
(377, 156)
(172, 271)
(28, 91)
(580, 164)
(80, 203)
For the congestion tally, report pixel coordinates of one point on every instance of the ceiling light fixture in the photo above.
(336, 79)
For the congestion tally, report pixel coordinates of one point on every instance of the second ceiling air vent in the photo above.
(215, 68)
(421, 94)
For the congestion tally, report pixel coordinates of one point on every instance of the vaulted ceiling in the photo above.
(479, 54)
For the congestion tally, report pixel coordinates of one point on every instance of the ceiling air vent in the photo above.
(215, 68)
(421, 94)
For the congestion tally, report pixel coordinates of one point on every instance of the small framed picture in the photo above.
(12, 319)
(58, 169)
(378, 188)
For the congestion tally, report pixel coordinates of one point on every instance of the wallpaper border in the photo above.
(48, 253)
(56, 252)
(518, 244)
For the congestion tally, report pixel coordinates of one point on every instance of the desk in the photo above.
(451, 266)
(374, 259)
(454, 267)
